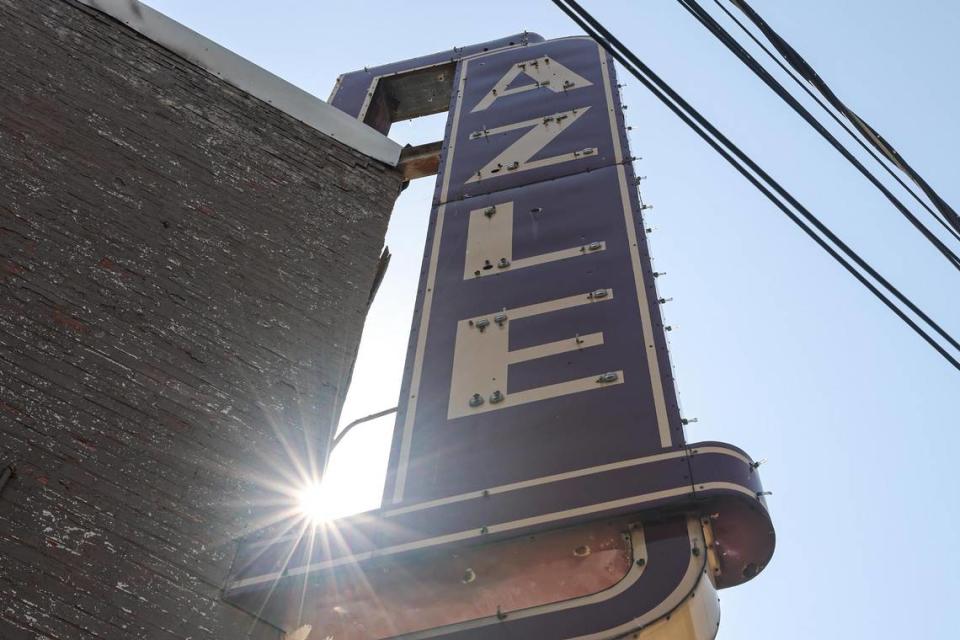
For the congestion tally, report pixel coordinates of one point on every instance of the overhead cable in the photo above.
(756, 175)
(869, 133)
(937, 215)
(731, 43)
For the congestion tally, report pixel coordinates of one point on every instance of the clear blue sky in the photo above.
(776, 350)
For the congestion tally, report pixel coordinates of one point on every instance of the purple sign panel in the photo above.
(537, 348)
(538, 428)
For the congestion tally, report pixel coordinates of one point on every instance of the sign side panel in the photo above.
(538, 345)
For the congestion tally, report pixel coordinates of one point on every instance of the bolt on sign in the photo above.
(540, 484)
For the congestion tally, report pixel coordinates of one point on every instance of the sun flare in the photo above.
(319, 502)
(314, 503)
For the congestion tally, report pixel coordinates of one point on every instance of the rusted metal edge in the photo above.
(420, 161)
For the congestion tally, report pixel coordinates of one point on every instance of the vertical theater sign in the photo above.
(540, 485)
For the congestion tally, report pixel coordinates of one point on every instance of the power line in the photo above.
(682, 108)
(869, 133)
(938, 216)
(731, 43)
(722, 144)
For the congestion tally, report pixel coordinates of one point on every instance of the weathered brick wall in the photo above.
(184, 272)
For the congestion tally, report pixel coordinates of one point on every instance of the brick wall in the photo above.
(184, 272)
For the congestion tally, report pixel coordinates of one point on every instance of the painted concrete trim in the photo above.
(250, 78)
